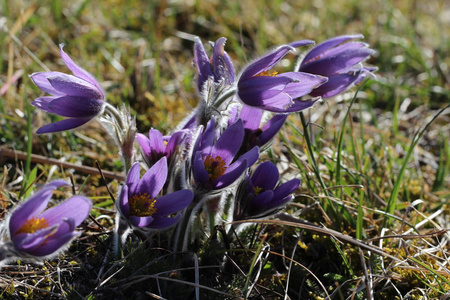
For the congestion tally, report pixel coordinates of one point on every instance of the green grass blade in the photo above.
(390, 208)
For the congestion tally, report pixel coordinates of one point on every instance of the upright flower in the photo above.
(139, 202)
(216, 164)
(35, 232)
(219, 67)
(254, 133)
(340, 61)
(78, 97)
(157, 146)
(259, 87)
(259, 196)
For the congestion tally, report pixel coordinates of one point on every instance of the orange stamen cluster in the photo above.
(215, 167)
(32, 225)
(267, 73)
(141, 205)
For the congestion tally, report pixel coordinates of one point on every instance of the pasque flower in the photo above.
(35, 232)
(78, 97)
(340, 61)
(215, 163)
(259, 87)
(157, 146)
(259, 196)
(219, 67)
(256, 134)
(139, 202)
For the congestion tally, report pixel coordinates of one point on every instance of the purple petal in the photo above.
(154, 179)
(322, 47)
(251, 117)
(79, 72)
(286, 188)
(140, 221)
(75, 107)
(156, 141)
(63, 125)
(175, 141)
(28, 241)
(265, 176)
(270, 129)
(76, 208)
(173, 202)
(33, 206)
(221, 63)
(51, 246)
(280, 102)
(231, 175)
(201, 61)
(74, 86)
(122, 204)
(198, 169)
(133, 178)
(265, 62)
(40, 79)
(229, 142)
(336, 84)
(304, 83)
(297, 106)
(263, 200)
(207, 139)
(164, 222)
(256, 89)
(332, 64)
(235, 170)
(42, 103)
(144, 143)
(301, 43)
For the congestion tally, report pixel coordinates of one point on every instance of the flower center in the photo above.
(215, 167)
(257, 190)
(141, 205)
(32, 225)
(267, 73)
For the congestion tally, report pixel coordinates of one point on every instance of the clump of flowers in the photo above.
(200, 173)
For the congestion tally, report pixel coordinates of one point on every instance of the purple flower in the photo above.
(37, 232)
(259, 87)
(254, 135)
(139, 202)
(216, 165)
(219, 67)
(157, 146)
(258, 196)
(78, 97)
(340, 61)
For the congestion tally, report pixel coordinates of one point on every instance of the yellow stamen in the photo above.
(257, 190)
(32, 225)
(215, 167)
(267, 73)
(141, 205)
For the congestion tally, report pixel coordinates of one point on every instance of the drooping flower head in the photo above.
(219, 67)
(35, 232)
(254, 133)
(215, 164)
(157, 146)
(340, 61)
(78, 97)
(259, 196)
(261, 88)
(139, 202)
